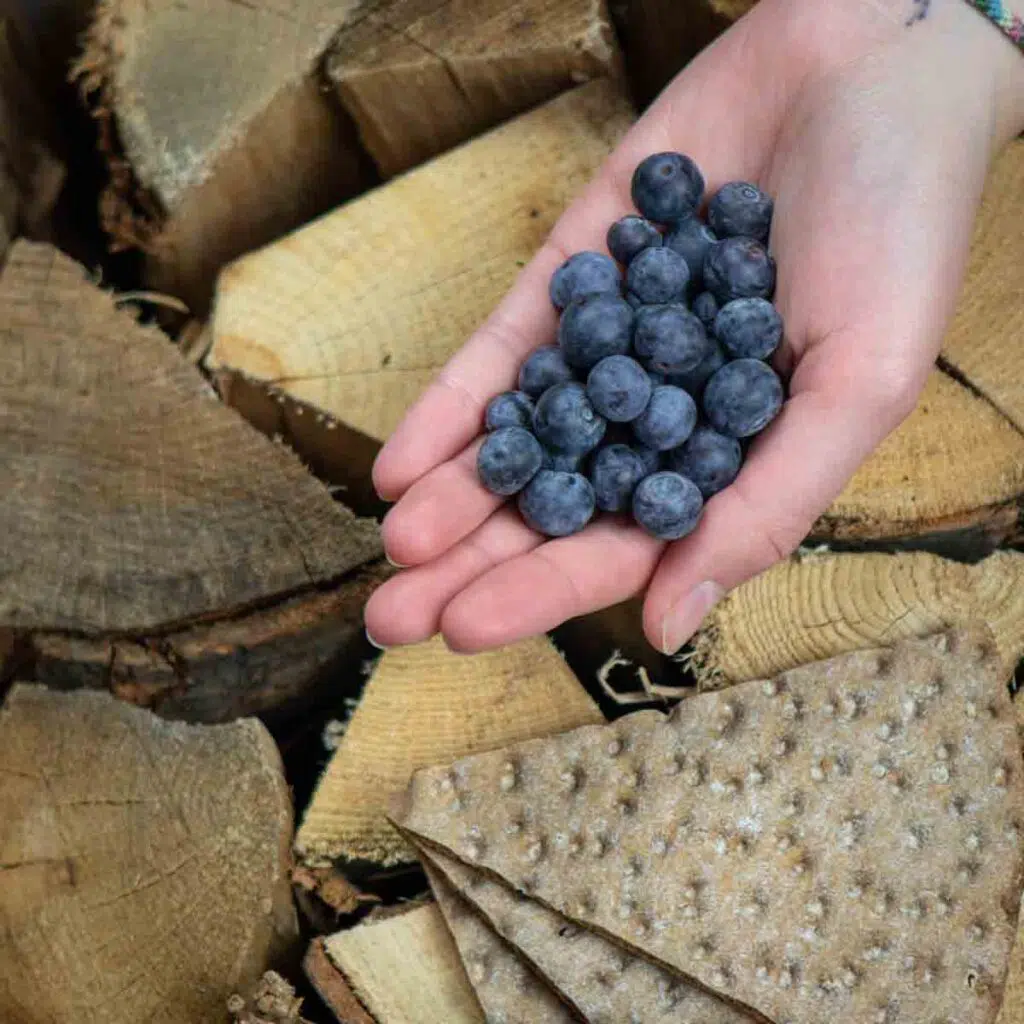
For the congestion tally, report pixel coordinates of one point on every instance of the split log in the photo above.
(813, 607)
(404, 969)
(422, 706)
(330, 985)
(1012, 1011)
(273, 1001)
(984, 343)
(31, 177)
(458, 233)
(421, 76)
(154, 542)
(229, 138)
(143, 863)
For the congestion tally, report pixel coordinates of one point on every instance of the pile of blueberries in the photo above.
(659, 378)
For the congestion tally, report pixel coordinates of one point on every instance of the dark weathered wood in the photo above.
(144, 869)
(421, 76)
(154, 542)
(331, 986)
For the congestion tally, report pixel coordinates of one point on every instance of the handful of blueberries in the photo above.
(659, 376)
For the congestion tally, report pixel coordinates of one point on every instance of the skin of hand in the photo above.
(874, 134)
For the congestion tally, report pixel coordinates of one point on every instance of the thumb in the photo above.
(792, 474)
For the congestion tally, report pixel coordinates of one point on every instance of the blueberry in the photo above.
(749, 328)
(631, 235)
(508, 460)
(670, 338)
(565, 421)
(657, 377)
(619, 388)
(543, 369)
(667, 505)
(705, 309)
(593, 328)
(614, 473)
(564, 462)
(657, 276)
(634, 302)
(742, 398)
(557, 504)
(583, 274)
(691, 238)
(668, 420)
(695, 381)
(509, 409)
(739, 268)
(711, 460)
(666, 187)
(651, 458)
(740, 208)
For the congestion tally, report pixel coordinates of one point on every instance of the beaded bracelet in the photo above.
(1008, 23)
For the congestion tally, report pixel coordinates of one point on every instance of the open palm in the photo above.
(876, 163)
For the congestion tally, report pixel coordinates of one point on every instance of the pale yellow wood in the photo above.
(421, 76)
(406, 970)
(355, 313)
(422, 706)
(953, 463)
(143, 863)
(1012, 1011)
(225, 129)
(985, 341)
(810, 608)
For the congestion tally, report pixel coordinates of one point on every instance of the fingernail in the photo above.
(684, 618)
(369, 636)
(393, 563)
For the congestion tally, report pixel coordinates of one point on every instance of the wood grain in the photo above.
(144, 863)
(813, 607)
(421, 76)
(422, 706)
(355, 313)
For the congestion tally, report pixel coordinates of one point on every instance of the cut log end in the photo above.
(209, 816)
(424, 705)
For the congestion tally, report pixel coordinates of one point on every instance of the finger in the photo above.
(438, 511)
(525, 596)
(450, 412)
(407, 608)
(793, 473)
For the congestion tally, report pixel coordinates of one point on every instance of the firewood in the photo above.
(421, 76)
(404, 969)
(229, 136)
(272, 1001)
(377, 321)
(145, 863)
(994, 293)
(153, 541)
(422, 706)
(331, 986)
(819, 605)
(31, 177)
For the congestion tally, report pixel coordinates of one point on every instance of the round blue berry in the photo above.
(679, 345)
(739, 268)
(509, 409)
(658, 276)
(508, 460)
(667, 505)
(742, 398)
(666, 187)
(668, 420)
(565, 420)
(583, 274)
(545, 368)
(739, 208)
(651, 458)
(711, 460)
(696, 379)
(557, 504)
(705, 309)
(593, 328)
(614, 473)
(619, 388)
(691, 238)
(564, 462)
(749, 328)
(631, 235)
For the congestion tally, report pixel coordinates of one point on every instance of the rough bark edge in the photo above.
(332, 986)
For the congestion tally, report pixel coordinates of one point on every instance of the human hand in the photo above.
(876, 156)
